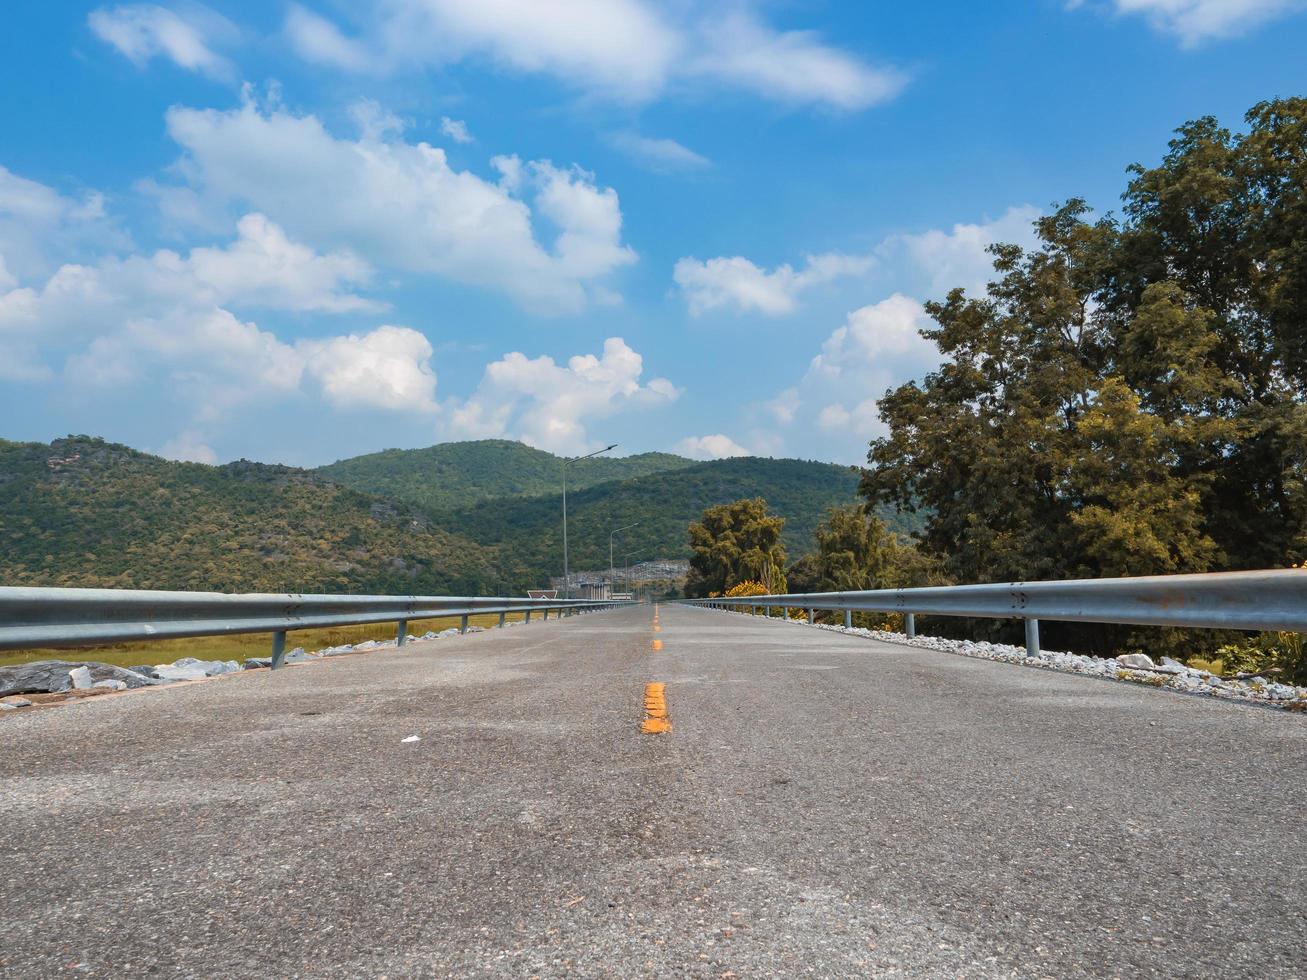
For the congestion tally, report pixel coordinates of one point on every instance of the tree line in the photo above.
(1127, 398)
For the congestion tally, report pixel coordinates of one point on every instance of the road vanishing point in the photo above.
(811, 804)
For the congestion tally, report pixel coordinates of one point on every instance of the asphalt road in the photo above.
(824, 805)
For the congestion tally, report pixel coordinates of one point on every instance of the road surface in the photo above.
(823, 805)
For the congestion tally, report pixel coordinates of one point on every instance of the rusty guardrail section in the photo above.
(1260, 600)
(35, 618)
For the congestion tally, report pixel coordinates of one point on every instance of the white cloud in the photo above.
(143, 31)
(318, 40)
(790, 66)
(716, 446)
(874, 335)
(189, 447)
(628, 50)
(959, 256)
(662, 156)
(621, 47)
(739, 284)
(1195, 21)
(878, 347)
(548, 405)
(402, 205)
(168, 316)
(388, 368)
(37, 223)
(455, 129)
(785, 405)
(264, 268)
(933, 261)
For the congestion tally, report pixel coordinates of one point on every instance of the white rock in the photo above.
(111, 684)
(81, 678)
(169, 672)
(1135, 660)
(412, 738)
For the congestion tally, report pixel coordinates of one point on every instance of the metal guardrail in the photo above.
(39, 618)
(1262, 600)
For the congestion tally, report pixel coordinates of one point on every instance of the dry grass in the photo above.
(240, 647)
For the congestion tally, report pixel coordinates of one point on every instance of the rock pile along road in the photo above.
(801, 803)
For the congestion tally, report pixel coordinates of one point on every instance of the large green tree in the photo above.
(736, 542)
(1129, 396)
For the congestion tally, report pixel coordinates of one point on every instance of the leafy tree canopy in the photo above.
(734, 543)
(1129, 397)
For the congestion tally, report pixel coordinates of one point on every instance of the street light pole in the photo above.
(567, 579)
(612, 575)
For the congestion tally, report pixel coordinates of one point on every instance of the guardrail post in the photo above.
(278, 649)
(502, 617)
(848, 619)
(910, 626)
(812, 618)
(462, 624)
(1032, 638)
(401, 633)
(527, 621)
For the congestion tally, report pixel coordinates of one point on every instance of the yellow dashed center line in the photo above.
(657, 644)
(656, 721)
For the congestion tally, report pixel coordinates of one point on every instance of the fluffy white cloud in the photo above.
(264, 268)
(631, 50)
(142, 31)
(455, 129)
(716, 446)
(166, 315)
(862, 419)
(318, 40)
(790, 66)
(878, 347)
(662, 156)
(1195, 21)
(189, 447)
(387, 368)
(739, 284)
(39, 226)
(548, 405)
(933, 262)
(874, 335)
(959, 256)
(402, 205)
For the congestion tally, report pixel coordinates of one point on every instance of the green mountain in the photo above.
(527, 532)
(463, 474)
(84, 512)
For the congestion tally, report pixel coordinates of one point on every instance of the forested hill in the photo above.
(527, 531)
(83, 512)
(462, 474)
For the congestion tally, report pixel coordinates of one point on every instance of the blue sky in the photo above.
(301, 231)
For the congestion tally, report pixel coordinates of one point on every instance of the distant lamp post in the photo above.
(567, 579)
(612, 574)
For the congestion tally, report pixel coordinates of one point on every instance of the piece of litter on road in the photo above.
(412, 738)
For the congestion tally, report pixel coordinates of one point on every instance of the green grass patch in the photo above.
(242, 646)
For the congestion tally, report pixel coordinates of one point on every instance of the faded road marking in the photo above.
(656, 721)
